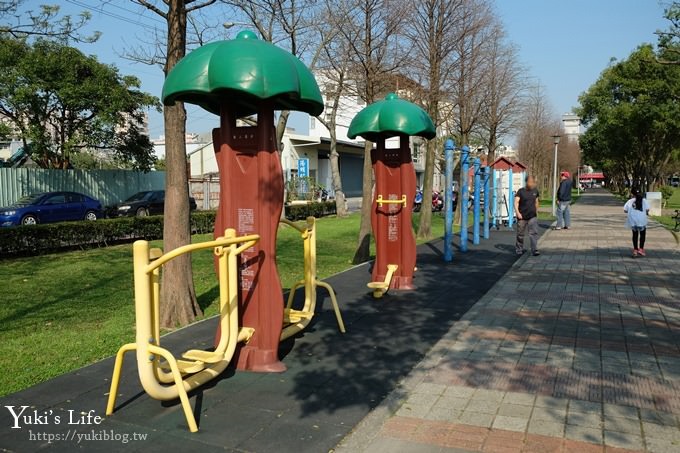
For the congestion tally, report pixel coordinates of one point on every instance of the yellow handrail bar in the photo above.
(248, 241)
(380, 200)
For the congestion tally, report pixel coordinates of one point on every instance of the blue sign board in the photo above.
(303, 168)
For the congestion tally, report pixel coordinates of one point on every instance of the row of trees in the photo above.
(537, 125)
(633, 113)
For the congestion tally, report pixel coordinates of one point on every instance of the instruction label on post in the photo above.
(392, 219)
(246, 225)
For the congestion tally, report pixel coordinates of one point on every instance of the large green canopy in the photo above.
(243, 72)
(390, 117)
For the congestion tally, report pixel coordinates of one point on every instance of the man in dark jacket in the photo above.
(564, 201)
(526, 209)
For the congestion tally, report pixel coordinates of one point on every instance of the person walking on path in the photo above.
(564, 201)
(637, 209)
(526, 207)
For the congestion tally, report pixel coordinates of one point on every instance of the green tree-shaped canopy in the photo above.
(390, 117)
(243, 72)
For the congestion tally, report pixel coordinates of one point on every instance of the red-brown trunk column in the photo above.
(395, 177)
(251, 200)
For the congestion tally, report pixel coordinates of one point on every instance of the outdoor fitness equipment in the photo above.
(296, 320)
(395, 187)
(163, 376)
(234, 79)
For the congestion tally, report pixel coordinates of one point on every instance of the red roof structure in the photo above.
(502, 163)
(519, 167)
(598, 175)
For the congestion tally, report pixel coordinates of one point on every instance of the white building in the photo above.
(571, 123)
(192, 142)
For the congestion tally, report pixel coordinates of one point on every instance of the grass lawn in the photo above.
(63, 311)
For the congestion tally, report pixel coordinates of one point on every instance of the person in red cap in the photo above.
(564, 201)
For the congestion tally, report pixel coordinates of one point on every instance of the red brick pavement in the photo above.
(473, 438)
(659, 338)
(623, 389)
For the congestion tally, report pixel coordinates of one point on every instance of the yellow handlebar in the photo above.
(245, 241)
(380, 201)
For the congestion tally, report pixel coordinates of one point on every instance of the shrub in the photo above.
(313, 209)
(666, 193)
(37, 239)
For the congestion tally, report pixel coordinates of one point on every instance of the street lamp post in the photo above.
(556, 141)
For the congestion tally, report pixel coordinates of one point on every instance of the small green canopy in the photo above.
(390, 117)
(243, 72)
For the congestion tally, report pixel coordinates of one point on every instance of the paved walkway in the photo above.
(577, 350)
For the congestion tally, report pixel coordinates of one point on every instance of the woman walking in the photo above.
(637, 209)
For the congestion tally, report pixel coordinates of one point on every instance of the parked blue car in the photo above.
(51, 207)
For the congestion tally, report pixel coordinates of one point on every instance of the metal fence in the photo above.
(206, 191)
(107, 186)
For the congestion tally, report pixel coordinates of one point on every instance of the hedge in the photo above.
(313, 209)
(37, 239)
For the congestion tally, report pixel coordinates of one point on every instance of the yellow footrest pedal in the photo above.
(380, 288)
(292, 316)
(185, 366)
(203, 356)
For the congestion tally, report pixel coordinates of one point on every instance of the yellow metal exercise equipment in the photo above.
(173, 378)
(296, 320)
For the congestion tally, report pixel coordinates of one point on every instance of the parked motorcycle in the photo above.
(437, 201)
(418, 201)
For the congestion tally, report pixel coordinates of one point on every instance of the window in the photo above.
(56, 199)
(312, 122)
(74, 198)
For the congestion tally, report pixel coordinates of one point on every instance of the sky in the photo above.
(565, 44)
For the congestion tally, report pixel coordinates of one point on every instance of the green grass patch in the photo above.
(66, 310)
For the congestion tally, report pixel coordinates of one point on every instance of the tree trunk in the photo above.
(281, 129)
(425, 224)
(178, 298)
(363, 251)
(491, 151)
(340, 202)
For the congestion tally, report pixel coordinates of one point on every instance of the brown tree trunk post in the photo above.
(363, 251)
(178, 298)
(340, 201)
(425, 223)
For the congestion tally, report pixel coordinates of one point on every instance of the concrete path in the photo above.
(577, 350)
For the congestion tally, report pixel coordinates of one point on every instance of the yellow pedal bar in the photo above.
(380, 288)
(380, 200)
